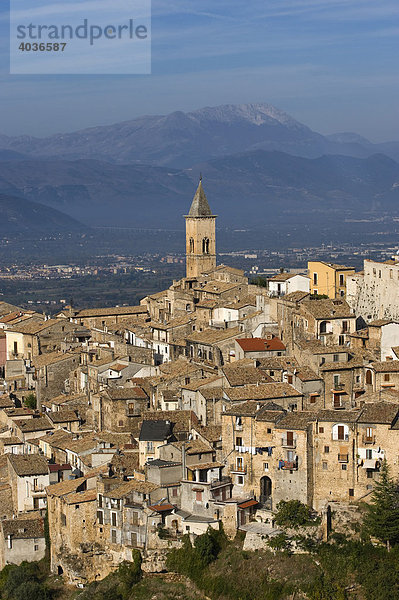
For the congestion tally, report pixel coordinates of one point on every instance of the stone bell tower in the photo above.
(200, 236)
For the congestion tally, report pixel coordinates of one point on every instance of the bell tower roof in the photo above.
(199, 205)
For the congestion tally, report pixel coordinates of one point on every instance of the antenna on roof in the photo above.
(200, 177)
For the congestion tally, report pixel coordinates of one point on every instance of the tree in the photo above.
(292, 513)
(382, 516)
(30, 401)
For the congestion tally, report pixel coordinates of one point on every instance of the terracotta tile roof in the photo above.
(328, 309)
(275, 363)
(245, 301)
(202, 466)
(307, 374)
(266, 391)
(245, 375)
(380, 322)
(182, 420)
(33, 326)
(50, 358)
(295, 297)
(388, 366)
(23, 529)
(133, 485)
(296, 420)
(36, 424)
(216, 287)
(254, 408)
(65, 487)
(212, 433)
(379, 412)
(213, 336)
(282, 276)
(247, 504)
(81, 497)
(61, 416)
(260, 344)
(199, 383)
(28, 464)
(6, 402)
(111, 311)
(127, 393)
(338, 416)
(212, 393)
(162, 507)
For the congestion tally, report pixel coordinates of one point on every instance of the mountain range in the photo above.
(259, 165)
(21, 216)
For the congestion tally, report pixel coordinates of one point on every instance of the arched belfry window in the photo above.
(205, 246)
(191, 245)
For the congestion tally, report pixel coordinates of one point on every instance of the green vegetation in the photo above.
(27, 581)
(382, 516)
(292, 514)
(30, 401)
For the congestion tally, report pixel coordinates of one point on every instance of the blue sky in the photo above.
(332, 64)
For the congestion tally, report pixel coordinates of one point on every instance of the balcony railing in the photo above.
(343, 458)
(288, 443)
(221, 481)
(368, 439)
(238, 468)
(289, 465)
(344, 438)
(339, 387)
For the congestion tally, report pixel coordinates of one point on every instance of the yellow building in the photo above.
(328, 278)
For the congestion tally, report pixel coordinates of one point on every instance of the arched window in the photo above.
(205, 246)
(369, 377)
(191, 245)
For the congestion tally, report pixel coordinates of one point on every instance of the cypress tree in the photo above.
(382, 518)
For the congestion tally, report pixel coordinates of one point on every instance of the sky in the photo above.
(331, 64)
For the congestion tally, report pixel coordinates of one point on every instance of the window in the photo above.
(36, 547)
(63, 519)
(369, 474)
(205, 246)
(325, 465)
(150, 447)
(269, 430)
(326, 449)
(113, 519)
(336, 380)
(113, 536)
(120, 423)
(369, 377)
(369, 454)
(345, 327)
(386, 377)
(321, 429)
(312, 399)
(336, 357)
(289, 378)
(315, 279)
(240, 480)
(341, 340)
(15, 347)
(239, 463)
(191, 245)
(341, 280)
(238, 441)
(100, 517)
(198, 496)
(238, 423)
(379, 274)
(265, 466)
(174, 492)
(343, 467)
(390, 273)
(351, 492)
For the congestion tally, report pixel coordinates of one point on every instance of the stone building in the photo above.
(200, 236)
(22, 540)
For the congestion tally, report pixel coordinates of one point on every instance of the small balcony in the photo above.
(288, 443)
(241, 469)
(338, 387)
(223, 480)
(288, 465)
(368, 439)
(344, 438)
(343, 458)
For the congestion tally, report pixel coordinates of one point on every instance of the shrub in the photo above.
(292, 514)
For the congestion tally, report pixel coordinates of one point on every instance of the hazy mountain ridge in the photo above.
(19, 215)
(181, 139)
(251, 187)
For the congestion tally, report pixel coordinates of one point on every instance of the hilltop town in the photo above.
(207, 404)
